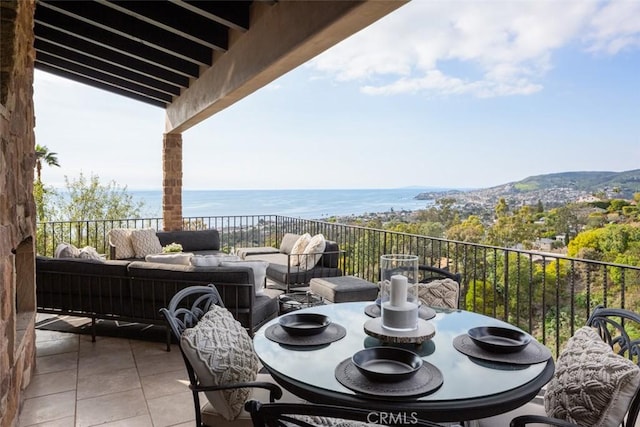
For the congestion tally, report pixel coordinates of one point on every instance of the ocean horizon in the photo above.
(306, 204)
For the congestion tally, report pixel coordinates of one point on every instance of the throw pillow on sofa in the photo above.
(145, 242)
(66, 250)
(120, 238)
(313, 252)
(259, 272)
(298, 248)
(89, 252)
(221, 352)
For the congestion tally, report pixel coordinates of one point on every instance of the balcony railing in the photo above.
(546, 294)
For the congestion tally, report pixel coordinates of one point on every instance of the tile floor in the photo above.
(111, 382)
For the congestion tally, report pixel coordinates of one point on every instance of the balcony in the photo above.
(545, 294)
(131, 382)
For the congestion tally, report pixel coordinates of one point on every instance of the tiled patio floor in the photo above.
(111, 382)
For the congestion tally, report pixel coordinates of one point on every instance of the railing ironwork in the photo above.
(546, 294)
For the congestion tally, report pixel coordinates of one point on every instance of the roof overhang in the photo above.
(193, 58)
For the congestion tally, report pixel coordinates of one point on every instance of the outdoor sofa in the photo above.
(135, 290)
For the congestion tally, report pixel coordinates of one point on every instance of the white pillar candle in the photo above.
(398, 296)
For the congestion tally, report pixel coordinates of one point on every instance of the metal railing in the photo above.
(546, 294)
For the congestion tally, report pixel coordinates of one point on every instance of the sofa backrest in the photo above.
(331, 255)
(191, 240)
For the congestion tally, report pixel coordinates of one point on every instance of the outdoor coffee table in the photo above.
(297, 300)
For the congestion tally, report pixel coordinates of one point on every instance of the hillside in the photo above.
(551, 189)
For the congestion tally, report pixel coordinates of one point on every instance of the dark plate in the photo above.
(499, 340)
(304, 324)
(387, 364)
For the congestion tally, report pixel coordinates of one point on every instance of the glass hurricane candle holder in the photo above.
(399, 302)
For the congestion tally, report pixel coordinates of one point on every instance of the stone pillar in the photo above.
(172, 181)
(17, 206)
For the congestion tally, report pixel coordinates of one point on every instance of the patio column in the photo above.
(172, 181)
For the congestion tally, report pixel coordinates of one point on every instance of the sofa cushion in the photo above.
(191, 240)
(178, 258)
(120, 238)
(313, 252)
(288, 240)
(592, 385)
(205, 261)
(283, 273)
(221, 352)
(145, 242)
(298, 248)
(245, 252)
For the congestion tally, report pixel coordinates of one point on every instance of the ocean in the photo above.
(306, 204)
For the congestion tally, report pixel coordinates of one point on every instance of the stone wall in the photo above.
(17, 207)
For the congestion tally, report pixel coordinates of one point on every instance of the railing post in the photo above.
(506, 285)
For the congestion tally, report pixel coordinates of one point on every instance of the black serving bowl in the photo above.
(499, 340)
(387, 364)
(304, 324)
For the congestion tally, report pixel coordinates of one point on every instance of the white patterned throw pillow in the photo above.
(221, 352)
(313, 252)
(441, 293)
(120, 238)
(145, 242)
(298, 248)
(592, 386)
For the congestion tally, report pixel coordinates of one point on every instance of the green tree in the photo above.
(43, 155)
(40, 192)
(470, 230)
(89, 199)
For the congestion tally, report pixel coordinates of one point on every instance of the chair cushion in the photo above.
(592, 385)
(221, 352)
(316, 246)
(145, 242)
(439, 293)
(120, 238)
(298, 248)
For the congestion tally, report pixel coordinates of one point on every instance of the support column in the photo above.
(172, 181)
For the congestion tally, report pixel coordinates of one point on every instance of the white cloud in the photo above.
(615, 28)
(477, 48)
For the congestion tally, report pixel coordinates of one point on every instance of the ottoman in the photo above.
(344, 289)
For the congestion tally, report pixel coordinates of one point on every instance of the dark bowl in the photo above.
(387, 364)
(304, 324)
(499, 340)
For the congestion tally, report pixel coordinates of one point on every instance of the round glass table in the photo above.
(471, 389)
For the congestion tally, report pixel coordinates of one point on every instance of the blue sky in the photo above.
(459, 94)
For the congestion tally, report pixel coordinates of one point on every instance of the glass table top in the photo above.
(464, 377)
